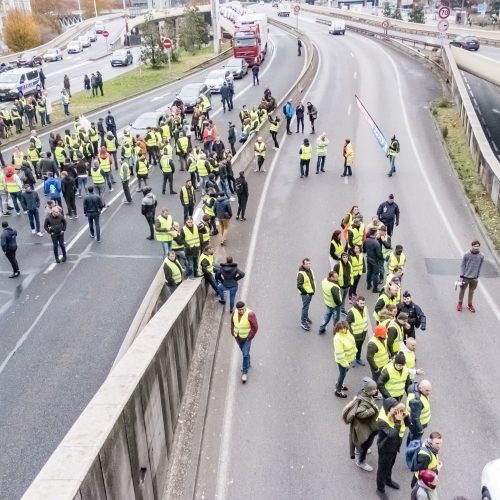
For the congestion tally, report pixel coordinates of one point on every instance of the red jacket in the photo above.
(253, 325)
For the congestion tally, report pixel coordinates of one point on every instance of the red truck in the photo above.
(250, 38)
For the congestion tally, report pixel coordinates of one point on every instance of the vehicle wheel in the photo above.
(486, 494)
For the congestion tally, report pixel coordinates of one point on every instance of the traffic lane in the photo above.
(426, 293)
(485, 98)
(113, 234)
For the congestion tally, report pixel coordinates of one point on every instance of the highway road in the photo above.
(281, 436)
(62, 325)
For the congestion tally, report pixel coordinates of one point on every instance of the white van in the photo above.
(25, 80)
(337, 27)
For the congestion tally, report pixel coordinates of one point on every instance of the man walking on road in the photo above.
(55, 225)
(241, 188)
(255, 73)
(306, 284)
(321, 147)
(332, 295)
(305, 153)
(388, 214)
(92, 207)
(244, 327)
(9, 246)
(391, 154)
(299, 47)
(470, 270)
(229, 274)
(260, 154)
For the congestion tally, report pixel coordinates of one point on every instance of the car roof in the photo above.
(471, 38)
(191, 86)
(19, 71)
(152, 114)
(218, 72)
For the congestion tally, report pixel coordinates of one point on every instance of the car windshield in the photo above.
(216, 75)
(119, 53)
(51, 52)
(144, 121)
(245, 41)
(470, 39)
(8, 78)
(233, 63)
(27, 55)
(74, 44)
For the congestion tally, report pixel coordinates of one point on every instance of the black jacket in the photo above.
(92, 204)
(68, 186)
(55, 224)
(48, 165)
(30, 200)
(416, 316)
(8, 239)
(229, 274)
(373, 251)
(231, 135)
(388, 213)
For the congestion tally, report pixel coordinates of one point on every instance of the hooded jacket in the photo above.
(423, 492)
(8, 239)
(52, 188)
(148, 205)
(222, 207)
(364, 421)
(230, 274)
(55, 224)
(30, 200)
(389, 440)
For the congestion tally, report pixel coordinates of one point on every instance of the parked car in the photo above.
(29, 59)
(121, 57)
(74, 47)
(490, 481)
(5, 67)
(53, 55)
(216, 78)
(237, 66)
(99, 27)
(466, 42)
(189, 95)
(148, 119)
(92, 35)
(85, 41)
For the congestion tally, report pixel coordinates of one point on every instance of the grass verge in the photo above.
(454, 136)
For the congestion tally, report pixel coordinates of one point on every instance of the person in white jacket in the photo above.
(425, 489)
(321, 147)
(48, 104)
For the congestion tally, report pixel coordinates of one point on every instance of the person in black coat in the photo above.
(69, 193)
(374, 260)
(92, 207)
(299, 113)
(388, 214)
(228, 274)
(416, 317)
(231, 137)
(225, 94)
(241, 188)
(8, 242)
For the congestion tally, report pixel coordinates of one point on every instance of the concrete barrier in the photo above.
(486, 163)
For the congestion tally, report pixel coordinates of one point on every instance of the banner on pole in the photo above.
(382, 141)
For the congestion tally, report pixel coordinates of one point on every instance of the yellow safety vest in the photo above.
(338, 249)
(165, 132)
(158, 138)
(274, 126)
(105, 164)
(241, 326)
(383, 416)
(341, 275)
(357, 235)
(395, 386)
(381, 358)
(209, 209)
(360, 323)
(97, 177)
(344, 345)
(308, 286)
(93, 135)
(59, 154)
(399, 336)
(11, 185)
(305, 152)
(425, 415)
(192, 237)
(37, 141)
(185, 195)
(182, 145)
(127, 150)
(202, 168)
(210, 259)
(433, 464)
(357, 265)
(18, 160)
(385, 251)
(205, 235)
(395, 261)
(110, 145)
(321, 149)
(177, 246)
(205, 103)
(260, 149)
(150, 139)
(411, 361)
(386, 300)
(165, 163)
(33, 154)
(327, 287)
(175, 268)
(142, 167)
(163, 234)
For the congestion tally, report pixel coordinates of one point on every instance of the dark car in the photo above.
(29, 59)
(122, 57)
(466, 42)
(189, 95)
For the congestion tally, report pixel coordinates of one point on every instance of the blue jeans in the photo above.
(16, 200)
(331, 312)
(232, 295)
(94, 221)
(34, 219)
(107, 178)
(306, 301)
(82, 184)
(165, 246)
(342, 373)
(392, 164)
(320, 165)
(192, 265)
(207, 147)
(245, 345)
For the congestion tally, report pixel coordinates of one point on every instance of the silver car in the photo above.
(237, 66)
(149, 119)
(215, 79)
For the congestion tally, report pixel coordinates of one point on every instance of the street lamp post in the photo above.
(215, 25)
(95, 8)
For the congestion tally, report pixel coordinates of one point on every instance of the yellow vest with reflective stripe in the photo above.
(11, 185)
(383, 416)
(394, 261)
(338, 248)
(165, 132)
(37, 141)
(150, 139)
(381, 357)
(59, 154)
(105, 164)
(174, 267)
(425, 415)
(386, 300)
(97, 177)
(182, 145)
(93, 135)
(433, 464)
(274, 127)
(327, 286)
(399, 336)
(185, 195)
(127, 150)
(260, 149)
(163, 234)
(410, 362)
(110, 145)
(341, 275)
(192, 237)
(395, 386)
(321, 148)
(305, 152)
(357, 235)
(202, 168)
(241, 326)
(18, 160)
(360, 323)
(209, 209)
(165, 163)
(345, 348)
(357, 264)
(210, 259)
(33, 154)
(142, 167)
(308, 286)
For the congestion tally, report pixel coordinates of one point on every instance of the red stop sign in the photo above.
(167, 43)
(105, 34)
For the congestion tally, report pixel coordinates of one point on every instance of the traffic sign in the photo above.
(444, 12)
(296, 8)
(105, 34)
(167, 43)
(443, 25)
(385, 24)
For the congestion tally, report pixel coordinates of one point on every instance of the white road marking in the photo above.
(479, 112)
(473, 97)
(355, 75)
(483, 120)
(430, 187)
(228, 417)
(352, 55)
(495, 110)
(494, 146)
(488, 132)
(348, 110)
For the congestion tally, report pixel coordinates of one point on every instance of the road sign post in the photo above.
(444, 12)
(296, 10)
(105, 34)
(167, 45)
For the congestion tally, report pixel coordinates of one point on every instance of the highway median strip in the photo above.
(450, 124)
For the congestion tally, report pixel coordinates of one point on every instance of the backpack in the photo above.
(284, 109)
(414, 492)
(411, 454)
(395, 145)
(349, 411)
(238, 185)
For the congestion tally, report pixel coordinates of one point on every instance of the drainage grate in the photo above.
(451, 267)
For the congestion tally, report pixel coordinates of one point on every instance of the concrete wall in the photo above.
(120, 445)
(486, 163)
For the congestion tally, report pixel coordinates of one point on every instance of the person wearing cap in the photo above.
(394, 378)
(357, 319)
(363, 426)
(344, 346)
(260, 154)
(426, 485)
(348, 155)
(418, 408)
(408, 348)
(305, 153)
(332, 295)
(395, 333)
(322, 143)
(244, 327)
(376, 351)
(388, 214)
(428, 457)
(288, 111)
(416, 317)
(306, 285)
(391, 429)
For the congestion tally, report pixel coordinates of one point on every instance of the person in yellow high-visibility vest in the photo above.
(357, 319)
(173, 271)
(395, 333)
(332, 296)
(260, 154)
(163, 230)
(394, 379)
(376, 351)
(419, 408)
(244, 327)
(358, 268)
(305, 153)
(306, 284)
(344, 346)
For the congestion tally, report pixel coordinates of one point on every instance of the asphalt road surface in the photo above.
(280, 436)
(62, 325)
